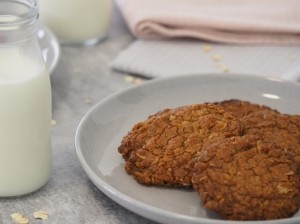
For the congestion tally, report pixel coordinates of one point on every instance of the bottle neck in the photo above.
(18, 20)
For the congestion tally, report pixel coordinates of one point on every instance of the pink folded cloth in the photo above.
(225, 21)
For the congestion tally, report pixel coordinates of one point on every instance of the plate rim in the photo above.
(151, 211)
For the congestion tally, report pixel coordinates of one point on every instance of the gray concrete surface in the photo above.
(69, 196)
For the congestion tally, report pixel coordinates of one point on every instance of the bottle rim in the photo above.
(15, 13)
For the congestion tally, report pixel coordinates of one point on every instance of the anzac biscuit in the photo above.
(159, 150)
(281, 129)
(246, 178)
(240, 108)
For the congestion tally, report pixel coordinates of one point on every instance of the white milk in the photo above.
(25, 115)
(76, 20)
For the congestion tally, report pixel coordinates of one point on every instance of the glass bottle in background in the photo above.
(79, 22)
(25, 102)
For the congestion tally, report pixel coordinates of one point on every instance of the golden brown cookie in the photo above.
(240, 108)
(158, 151)
(282, 129)
(138, 135)
(245, 178)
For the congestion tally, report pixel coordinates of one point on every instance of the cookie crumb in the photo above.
(18, 218)
(129, 78)
(133, 80)
(217, 58)
(40, 215)
(137, 81)
(223, 68)
(207, 48)
(53, 123)
(88, 101)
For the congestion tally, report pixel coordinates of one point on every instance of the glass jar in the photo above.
(80, 22)
(25, 102)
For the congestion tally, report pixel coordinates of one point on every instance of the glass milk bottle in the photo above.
(25, 102)
(77, 22)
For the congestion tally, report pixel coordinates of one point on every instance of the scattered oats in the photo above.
(15, 215)
(88, 101)
(207, 48)
(224, 68)
(129, 78)
(22, 220)
(40, 215)
(217, 57)
(137, 81)
(133, 80)
(53, 123)
(19, 218)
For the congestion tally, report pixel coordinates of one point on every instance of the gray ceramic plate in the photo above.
(100, 132)
(49, 46)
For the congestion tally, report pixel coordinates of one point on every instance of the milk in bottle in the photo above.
(25, 102)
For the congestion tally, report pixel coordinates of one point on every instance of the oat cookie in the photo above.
(159, 150)
(246, 178)
(240, 108)
(282, 129)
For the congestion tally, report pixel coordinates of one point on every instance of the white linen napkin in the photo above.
(163, 58)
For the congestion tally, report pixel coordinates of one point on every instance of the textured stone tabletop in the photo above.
(81, 78)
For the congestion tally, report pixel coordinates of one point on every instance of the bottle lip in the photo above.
(15, 13)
